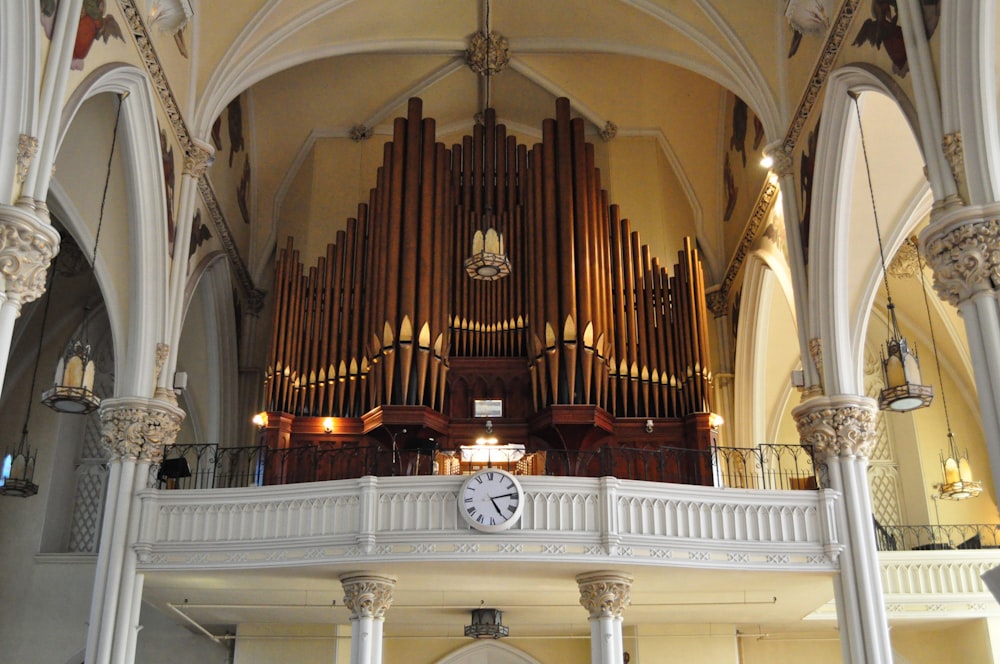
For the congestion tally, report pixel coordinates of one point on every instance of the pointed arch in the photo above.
(138, 330)
(834, 319)
(488, 652)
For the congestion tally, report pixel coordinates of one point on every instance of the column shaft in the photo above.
(605, 596)
(367, 596)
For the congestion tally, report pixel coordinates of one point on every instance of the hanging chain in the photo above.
(930, 325)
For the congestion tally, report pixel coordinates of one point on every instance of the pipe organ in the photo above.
(586, 321)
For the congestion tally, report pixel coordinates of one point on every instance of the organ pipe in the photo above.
(592, 314)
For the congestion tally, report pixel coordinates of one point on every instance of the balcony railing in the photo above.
(782, 467)
(937, 538)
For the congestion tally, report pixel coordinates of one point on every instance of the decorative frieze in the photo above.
(367, 595)
(964, 252)
(765, 200)
(605, 594)
(27, 247)
(27, 148)
(841, 426)
(139, 429)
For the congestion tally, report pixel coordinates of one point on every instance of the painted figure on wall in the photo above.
(167, 155)
(95, 23)
(883, 29)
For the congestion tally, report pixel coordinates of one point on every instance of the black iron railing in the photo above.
(937, 538)
(763, 467)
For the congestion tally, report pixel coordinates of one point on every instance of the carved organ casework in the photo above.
(588, 343)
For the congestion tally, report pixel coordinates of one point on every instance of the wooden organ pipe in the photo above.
(595, 317)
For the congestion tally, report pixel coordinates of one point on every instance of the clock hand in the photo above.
(495, 506)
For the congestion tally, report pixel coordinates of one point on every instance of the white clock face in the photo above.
(491, 500)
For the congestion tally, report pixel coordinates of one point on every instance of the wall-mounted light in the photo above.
(767, 161)
(260, 420)
(328, 424)
(715, 420)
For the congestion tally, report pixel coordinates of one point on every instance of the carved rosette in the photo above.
(841, 426)
(367, 595)
(965, 256)
(488, 54)
(604, 594)
(27, 247)
(139, 429)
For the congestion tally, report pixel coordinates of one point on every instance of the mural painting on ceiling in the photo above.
(200, 234)
(95, 23)
(741, 119)
(167, 155)
(883, 29)
(243, 192)
(235, 113)
(805, 17)
(807, 164)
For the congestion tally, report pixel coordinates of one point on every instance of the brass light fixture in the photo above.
(900, 365)
(17, 473)
(956, 471)
(487, 624)
(73, 387)
(488, 54)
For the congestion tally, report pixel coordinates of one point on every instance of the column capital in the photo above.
(27, 246)
(604, 594)
(198, 158)
(962, 246)
(366, 594)
(842, 425)
(138, 428)
(783, 164)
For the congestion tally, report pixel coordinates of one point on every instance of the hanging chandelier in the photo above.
(956, 469)
(488, 54)
(900, 364)
(72, 390)
(487, 624)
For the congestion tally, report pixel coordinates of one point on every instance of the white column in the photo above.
(27, 246)
(841, 430)
(961, 245)
(135, 430)
(605, 595)
(367, 596)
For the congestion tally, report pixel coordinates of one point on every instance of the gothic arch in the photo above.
(136, 331)
(834, 320)
(488, 652)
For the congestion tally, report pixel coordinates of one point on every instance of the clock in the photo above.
(491, 500)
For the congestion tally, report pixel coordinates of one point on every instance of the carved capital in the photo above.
(604, 594)
(837, 426)
(367, 595)
(782, 160)
(27, 247)
(197, 160)
(963, 249)
(139, 429)
(27, 148)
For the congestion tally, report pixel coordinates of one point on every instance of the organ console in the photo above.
(585, 340)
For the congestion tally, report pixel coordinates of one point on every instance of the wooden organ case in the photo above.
(588, 344)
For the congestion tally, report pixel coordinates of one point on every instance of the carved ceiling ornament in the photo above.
(27, 148)
(906, 263)
(605, 594)
(27, 247)
(965, 257)
(367, 595)
(487, 54)
(139, 429)
(953, 154)
(609, 131)
(361, 133)
(841, 426)
(197, 160)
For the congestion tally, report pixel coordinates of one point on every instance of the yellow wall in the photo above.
(816, 649)
(966, 641)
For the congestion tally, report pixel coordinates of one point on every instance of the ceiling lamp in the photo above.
(73, 388)
(17, 473)
(900, 364)
(487, 624)
(957, 472)
(488, 54)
